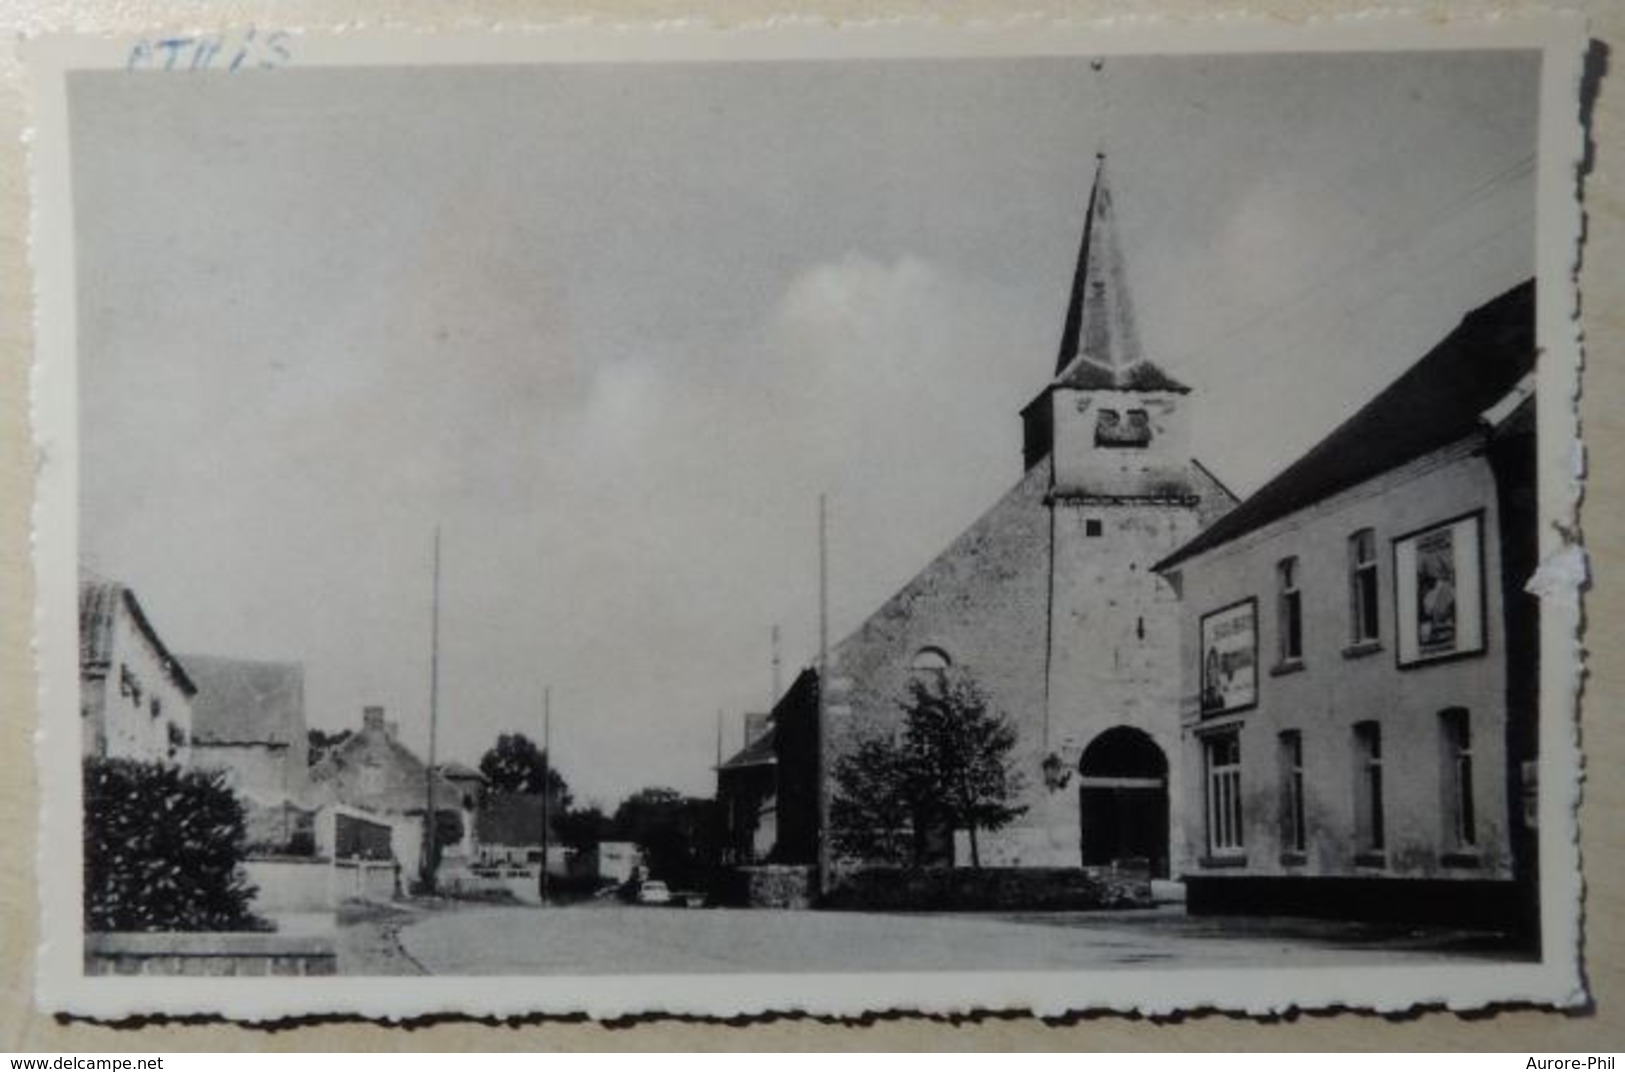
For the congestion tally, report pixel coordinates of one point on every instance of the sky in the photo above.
(614, 329)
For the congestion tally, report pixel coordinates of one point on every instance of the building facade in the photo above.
(248, 722)
(135, 696)
(372, 771)
(1050, 604)
(1358, 706)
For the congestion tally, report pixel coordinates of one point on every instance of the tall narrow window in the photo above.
(1224, 831)
(1368, 825)
(1293, 837)
(1289, 611)
(1363, 587)
(1455, 728)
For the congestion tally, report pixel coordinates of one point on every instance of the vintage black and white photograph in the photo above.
(828, 520)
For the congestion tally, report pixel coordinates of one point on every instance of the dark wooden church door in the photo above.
(1123, 802)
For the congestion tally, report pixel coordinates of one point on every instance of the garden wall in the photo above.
(290, 884)
(209, 953)
(1042, 889)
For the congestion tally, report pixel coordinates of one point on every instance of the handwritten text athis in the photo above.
(248, 49)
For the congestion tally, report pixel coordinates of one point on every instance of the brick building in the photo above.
(1361, 671)
(1050, 603)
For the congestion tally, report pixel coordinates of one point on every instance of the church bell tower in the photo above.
(1123, 491)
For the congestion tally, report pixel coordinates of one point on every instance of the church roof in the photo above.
(1439, 400)
(1100, 341)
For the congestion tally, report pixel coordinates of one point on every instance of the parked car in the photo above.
(654, 893)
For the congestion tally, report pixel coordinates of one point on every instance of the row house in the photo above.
(1361, 658)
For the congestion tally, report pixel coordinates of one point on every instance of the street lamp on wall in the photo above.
(1056, 772)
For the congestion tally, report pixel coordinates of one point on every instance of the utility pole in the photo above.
(547, 788)
(719, 738)
(822, 766)
(430, 863)
(773, 699)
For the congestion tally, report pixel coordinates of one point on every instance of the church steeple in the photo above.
(1100, 356)
(1100, 342)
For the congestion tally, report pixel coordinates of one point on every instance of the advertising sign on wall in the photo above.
(1439, 583)
(1230, 658)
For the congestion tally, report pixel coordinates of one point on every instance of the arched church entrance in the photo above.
(1123, 801)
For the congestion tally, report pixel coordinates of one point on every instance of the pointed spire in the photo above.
(1100, 343)
(1099, 320)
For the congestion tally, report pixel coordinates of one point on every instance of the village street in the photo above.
(594, 939)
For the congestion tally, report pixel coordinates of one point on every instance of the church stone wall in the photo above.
(983, 602)
(1116, 645)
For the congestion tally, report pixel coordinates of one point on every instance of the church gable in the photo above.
(981, 605)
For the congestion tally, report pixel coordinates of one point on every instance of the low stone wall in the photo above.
(209, 954)
(290, 883)
(769, 886)
(366, 880)
(1041, 889)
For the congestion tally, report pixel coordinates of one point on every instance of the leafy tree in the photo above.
(677, 834)
(516, 765)
(162, 849)
(950, 770)
(872, 815)
(583, 829)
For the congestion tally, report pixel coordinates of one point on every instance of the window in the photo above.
(129, 685)
(1091, 526)
(1289, 610)
(1293, 837)
(1363, 587)
(1223, 759)
(930, 666)
(1455, 730)
(1128, 429)
(1368, 831)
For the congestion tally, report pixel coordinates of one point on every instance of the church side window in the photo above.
(1222, 758)
(930, 666)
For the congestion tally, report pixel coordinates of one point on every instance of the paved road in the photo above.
(601, 939)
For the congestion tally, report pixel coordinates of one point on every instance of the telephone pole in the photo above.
(430, 863)
(822, 766)
(547, 788)
(777, 683)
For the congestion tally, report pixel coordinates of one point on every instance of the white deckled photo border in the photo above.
(1555, 980)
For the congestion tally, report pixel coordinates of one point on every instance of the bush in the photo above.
(162, 849)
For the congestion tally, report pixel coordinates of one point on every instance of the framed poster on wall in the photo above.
(1439, 591)
(1230, 658)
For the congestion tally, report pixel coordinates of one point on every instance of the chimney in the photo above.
(756, 724)
(372, 719)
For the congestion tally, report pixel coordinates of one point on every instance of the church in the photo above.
(1050, 603)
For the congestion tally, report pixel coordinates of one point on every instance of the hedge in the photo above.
(162, 849)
